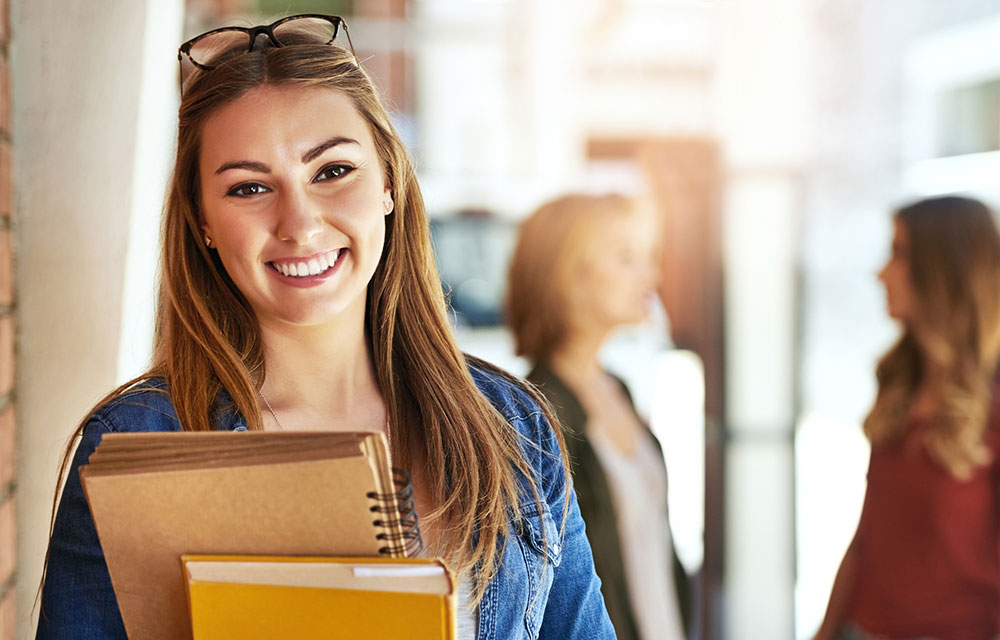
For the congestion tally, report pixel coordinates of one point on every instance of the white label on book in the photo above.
(397, 572)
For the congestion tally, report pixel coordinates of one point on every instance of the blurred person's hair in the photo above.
(208, 339)
(954, 268)
(550, 244)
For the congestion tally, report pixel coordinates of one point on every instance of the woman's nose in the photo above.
(299, 217)
(881, 273)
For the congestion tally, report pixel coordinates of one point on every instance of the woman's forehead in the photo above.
(288, 119)
(900, 231)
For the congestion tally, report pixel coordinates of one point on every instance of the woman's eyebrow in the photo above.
(259, 167)
(311, 155)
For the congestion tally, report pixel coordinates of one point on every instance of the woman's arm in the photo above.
(78, 600)
(575, 609)
(840, 596)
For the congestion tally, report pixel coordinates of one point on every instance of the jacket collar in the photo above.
(227, 416)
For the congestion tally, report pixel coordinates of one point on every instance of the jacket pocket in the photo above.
(541, 549)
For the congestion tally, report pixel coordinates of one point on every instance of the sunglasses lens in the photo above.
(305, 30)
(219, 46)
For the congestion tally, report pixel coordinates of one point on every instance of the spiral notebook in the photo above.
(261, 598)
(158, 496)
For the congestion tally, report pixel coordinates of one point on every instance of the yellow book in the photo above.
(267, 597)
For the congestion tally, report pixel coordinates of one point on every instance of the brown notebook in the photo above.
(157, 496)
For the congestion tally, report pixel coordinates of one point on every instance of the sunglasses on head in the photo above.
(212, 48)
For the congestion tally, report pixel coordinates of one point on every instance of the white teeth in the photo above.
(313, 267)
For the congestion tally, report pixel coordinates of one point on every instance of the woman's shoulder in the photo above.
(509, 395)
(522, 407)
(143, 406)
(561, 398)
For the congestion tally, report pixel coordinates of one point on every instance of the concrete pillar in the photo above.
(94, 96)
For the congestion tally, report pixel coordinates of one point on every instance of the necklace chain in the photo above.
(388, 432)
(269, 408)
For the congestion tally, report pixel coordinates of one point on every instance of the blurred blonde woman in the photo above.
(923, 563)
(583, 266)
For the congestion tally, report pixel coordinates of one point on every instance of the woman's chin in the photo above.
(625, 321)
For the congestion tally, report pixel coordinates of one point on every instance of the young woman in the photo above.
(582, 266)
(923, 563)
(298, 291)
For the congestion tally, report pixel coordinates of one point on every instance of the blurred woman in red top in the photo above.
(924, 561)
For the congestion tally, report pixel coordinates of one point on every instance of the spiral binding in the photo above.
(399, 510)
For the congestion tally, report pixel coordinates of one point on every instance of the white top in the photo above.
(638, 486)
(467, 619)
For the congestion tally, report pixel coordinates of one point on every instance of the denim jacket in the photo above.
(542, 589)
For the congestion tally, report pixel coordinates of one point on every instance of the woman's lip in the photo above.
(308, 281)
(306, 266)
(297, 259)
(305, 258)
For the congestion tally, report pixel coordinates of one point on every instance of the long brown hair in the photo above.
(207, 338)
(954, 269)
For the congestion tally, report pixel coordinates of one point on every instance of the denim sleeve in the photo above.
(78, 602)
(575, 609)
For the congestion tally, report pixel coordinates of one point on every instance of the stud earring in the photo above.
(208, 242)
(388, 205)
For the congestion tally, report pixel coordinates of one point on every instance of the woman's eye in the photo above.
(332, 172)
(247, 189)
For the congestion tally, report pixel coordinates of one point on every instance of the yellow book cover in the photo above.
(258, 597)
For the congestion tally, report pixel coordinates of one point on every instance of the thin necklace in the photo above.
(388, 433)
(273, 414)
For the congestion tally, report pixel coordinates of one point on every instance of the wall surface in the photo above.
(762, 119)
(8, 439)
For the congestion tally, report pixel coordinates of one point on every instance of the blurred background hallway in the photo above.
(774, 137)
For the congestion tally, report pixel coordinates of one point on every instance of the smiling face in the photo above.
(294, 199)
(901, 297)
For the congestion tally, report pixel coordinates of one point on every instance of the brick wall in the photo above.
(8, 445)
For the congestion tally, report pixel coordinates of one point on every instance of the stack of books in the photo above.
(213, 535)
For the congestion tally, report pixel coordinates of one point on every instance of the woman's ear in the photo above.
(387, 201)
(206, 235)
